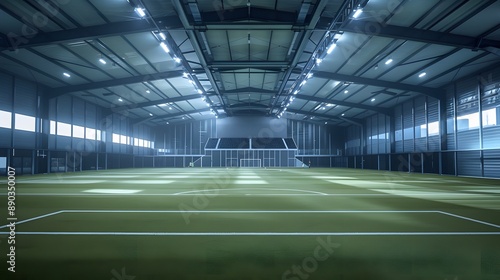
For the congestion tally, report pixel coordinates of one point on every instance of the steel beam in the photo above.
(85, 33)
(384, 111)
(432, 92)
(313, 114)
(156, 102)
(413, 34)
(55, 92)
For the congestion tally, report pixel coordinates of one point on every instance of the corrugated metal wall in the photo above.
(470, 146)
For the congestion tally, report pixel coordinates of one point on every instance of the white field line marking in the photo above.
(35, 218)
(470, 219)
(193, 194)
(249, 211)
(250, 189)
(258, 233)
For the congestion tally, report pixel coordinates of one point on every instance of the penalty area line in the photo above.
(35, 218)
(469, 219)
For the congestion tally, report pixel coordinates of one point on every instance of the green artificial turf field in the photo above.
(190, 223)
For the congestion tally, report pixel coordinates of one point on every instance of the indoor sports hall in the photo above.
(249, 139)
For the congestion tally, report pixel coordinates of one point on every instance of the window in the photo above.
(63, 129)
(408, 133)
(5, 119)
(136, 141)
(433, 128)
(90, 133)
(116, 138)
(398, 135)
(141, 143)
(52, 127)
(490, 117)
(123, 139)
(78, 131)
(101, 137)
(23, 122)
(468, 122)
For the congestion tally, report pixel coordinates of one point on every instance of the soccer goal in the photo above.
(250, 162)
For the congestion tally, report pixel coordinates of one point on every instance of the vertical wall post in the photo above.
(480, 108)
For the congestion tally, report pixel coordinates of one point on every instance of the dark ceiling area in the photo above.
(164, 61)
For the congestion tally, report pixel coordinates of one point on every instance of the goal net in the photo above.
(250, 163)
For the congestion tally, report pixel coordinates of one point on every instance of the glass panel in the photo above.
(5, 119)
(90, 133)
(26, 123)
(116, 138)
(63, 129)
(78, 131)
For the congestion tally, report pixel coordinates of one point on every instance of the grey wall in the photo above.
(251, 127)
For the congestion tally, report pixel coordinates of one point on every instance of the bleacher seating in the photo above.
(256, 143)
(290, 143)
(234, 143)
(212, 143)
(268, 143)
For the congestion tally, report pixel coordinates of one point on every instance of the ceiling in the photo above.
(248, 57)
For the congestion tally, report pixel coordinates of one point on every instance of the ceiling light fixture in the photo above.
(150, 114)
(140, 11)
(162, 35)
(318, 61)
(176, 59)
(357, 12)
(421, 75)
(373, 99)
(389, 61)
(343, 114)
(346, 91)
(120, 99)
(101, 60)
(295, 92)
(330, 49)
(164, 47)
(147, 91)
(200, 91)
(66, 75)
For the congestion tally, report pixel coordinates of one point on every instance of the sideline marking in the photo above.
(257, 233)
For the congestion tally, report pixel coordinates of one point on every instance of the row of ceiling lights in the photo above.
(318, 58)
